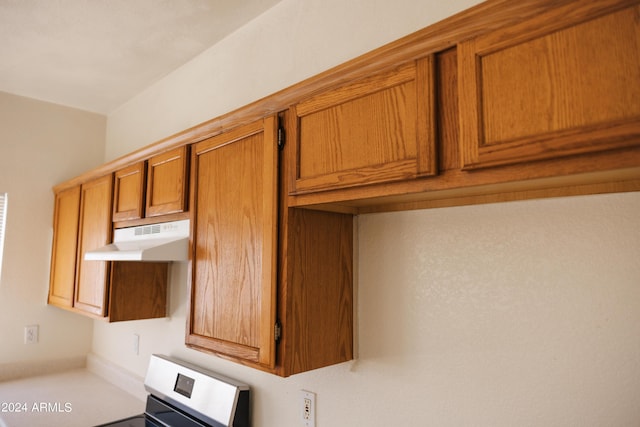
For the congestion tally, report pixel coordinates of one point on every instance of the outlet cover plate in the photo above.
(31, 334)
(307, 408)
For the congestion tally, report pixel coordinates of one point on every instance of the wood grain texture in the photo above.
(95, 230)
(448, 118)
(368, 123)
(65, 247)
(605, 168)
(569, 88)
(426, 112)
(128, 192)
(167, 181)
(138, 290)
(233, 294)
(503, 25)
(315, 271)
(318, 316)
(377, 129)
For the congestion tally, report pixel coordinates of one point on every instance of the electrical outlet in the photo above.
(307, 408)
(31, 334)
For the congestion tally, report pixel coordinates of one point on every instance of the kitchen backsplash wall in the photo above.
(521, 313)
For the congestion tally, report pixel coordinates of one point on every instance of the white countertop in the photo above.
(73, 398)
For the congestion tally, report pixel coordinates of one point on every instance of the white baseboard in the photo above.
(117, 376)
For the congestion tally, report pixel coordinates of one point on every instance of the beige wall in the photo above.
(41, 144)
(524, 313)
(294, 40)
(497, 315)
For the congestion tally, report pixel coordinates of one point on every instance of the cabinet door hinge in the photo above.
(281, 137)
(277, 331)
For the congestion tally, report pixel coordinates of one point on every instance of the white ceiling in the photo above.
(97, 54)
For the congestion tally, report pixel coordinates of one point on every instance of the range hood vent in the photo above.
(145, 230)
(168, 241)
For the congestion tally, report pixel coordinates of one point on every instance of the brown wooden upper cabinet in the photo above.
(378, 129)
(65, 247)
(563, 83)
(234, 220)
(128, 193)
(271, 287)
(95, 228)
(114, 291)
(167, 182)
(81, 221)
(152, 188)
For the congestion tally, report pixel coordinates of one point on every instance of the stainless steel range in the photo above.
(183, 395)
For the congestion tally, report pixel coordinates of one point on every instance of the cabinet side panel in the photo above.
(319, 328)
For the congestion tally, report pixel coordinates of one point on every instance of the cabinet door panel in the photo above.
(128, 199)
(379, 129)
(95, 231)
(167, 183)
(65, 247)
(529, 93)
(233, 289)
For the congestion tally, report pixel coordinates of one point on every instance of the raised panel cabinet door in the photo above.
(234, 214)
(563, 83)
(167, 182)
(65, 247)
(95, 231)
(128, 193)
(379, 129)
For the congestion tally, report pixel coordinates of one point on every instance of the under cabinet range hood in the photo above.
(167, 241)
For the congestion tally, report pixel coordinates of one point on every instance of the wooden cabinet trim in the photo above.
(594, 174)
(224, 348)
(551, 19)
(426, 113)
(270, 244)
(228, 138)
(366, 86)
